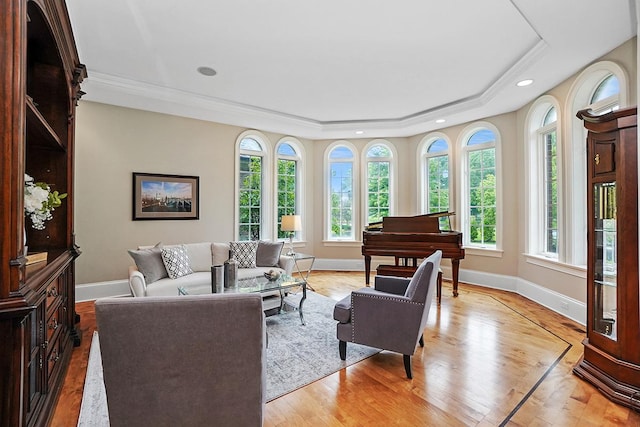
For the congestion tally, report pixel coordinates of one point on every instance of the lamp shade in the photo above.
(291, 223)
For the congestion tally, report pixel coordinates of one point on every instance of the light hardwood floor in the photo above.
(490, 358)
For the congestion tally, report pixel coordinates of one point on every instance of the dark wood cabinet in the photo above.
(611, 358)
(40, 74)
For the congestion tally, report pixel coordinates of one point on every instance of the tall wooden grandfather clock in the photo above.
(40, 77)
(611, 358)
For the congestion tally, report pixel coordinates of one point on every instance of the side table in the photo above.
(307, 265)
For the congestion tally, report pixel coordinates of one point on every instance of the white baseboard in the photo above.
(562, 304)
(340, 264)
(567, 307)
(93, 291)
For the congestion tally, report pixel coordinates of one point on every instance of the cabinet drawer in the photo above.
(54, 294)
(55, 321)
(54, 357)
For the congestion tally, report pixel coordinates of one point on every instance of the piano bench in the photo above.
(407, 271)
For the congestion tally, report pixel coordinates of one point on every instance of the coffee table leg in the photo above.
(304, 297)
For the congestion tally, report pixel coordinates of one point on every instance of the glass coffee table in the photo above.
(258, 284)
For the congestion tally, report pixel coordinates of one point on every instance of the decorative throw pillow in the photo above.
(244, 253)
(176, 261)
(149, 263)
(268, 253)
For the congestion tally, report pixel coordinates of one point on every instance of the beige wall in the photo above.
(113, 142)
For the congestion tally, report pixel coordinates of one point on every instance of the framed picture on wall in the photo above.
(160, 196)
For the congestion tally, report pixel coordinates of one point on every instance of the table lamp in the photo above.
(291, 223)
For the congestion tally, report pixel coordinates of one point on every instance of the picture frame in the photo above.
(165, 197)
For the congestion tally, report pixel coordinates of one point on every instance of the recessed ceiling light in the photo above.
(523, 83)
(440, 121)
(359, 132)
(207, 71)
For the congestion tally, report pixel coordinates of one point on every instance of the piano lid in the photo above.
(427, 223)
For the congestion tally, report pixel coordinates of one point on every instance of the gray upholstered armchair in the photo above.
(393, 315)
(183, 361)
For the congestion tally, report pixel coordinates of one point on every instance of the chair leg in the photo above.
(407, 365)
(439, 288)
(421, 340)
(343, 350)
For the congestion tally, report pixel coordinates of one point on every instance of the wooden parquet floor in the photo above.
(491, 358)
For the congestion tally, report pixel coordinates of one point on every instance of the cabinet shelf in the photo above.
(39, 132)
(605, 283)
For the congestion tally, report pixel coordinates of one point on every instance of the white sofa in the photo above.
(202, 256)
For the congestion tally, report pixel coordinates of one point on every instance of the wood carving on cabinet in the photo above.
(40, 76)
(611, 359)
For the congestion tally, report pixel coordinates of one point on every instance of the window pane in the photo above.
(379, 151)
(285, 149)
(341, 153)
(481, 137)
(250, 144)
(482, 196)
(378, 190)
(437, 146)
(250, 197)
(609, 87)
(341, 199)
(287, 185)
(550, 193)
(438, 176)
(550, 117)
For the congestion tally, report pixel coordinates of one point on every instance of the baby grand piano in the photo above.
(407, 238)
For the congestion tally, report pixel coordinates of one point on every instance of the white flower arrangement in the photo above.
(40, 201)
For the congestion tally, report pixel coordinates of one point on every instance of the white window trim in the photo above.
(326, 190)
(534, 170)
(463, 200)
(423, 186)
(579, 97)
(267, 189)
(300, 185)
(393, 176)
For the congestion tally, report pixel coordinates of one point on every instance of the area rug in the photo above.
(297, 355)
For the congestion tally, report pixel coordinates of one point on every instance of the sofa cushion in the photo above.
(149, 263)
(268, 253)
(176, 261)
(199, 256)
(244, 253)
(220, 252)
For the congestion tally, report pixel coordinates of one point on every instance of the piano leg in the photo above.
(455, 267)
(367, 268)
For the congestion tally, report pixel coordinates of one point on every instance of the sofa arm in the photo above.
(286, 262)
(137, 283)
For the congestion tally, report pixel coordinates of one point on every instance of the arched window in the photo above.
(379, 179)
(436, 178)
(341, 188)
(480, 194)
(543, 178)
(601, 87)
(288, 183)
(251, 188)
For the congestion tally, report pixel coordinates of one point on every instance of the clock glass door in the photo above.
(605, 260)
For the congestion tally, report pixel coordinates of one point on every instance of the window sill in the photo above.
(487, 252)
(353, 243)
(554, 264)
